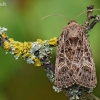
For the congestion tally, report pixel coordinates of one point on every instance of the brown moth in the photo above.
(74, 68)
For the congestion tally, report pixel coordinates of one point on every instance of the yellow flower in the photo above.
(53, 41)
(6, 46)
(40, 41)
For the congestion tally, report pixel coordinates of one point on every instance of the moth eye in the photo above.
(68, 23)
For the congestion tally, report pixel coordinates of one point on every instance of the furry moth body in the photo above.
(74, 61)
(74, 68)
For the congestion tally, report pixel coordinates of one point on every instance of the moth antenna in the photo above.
(80, 14)
(56, 15)
(96, 9)
(83, 13)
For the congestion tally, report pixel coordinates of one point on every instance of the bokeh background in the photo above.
(20, 81)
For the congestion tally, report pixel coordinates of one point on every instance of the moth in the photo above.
(75, 70)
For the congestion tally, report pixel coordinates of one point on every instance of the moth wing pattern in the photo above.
(74, 61)
(63, 73)
(85, 70)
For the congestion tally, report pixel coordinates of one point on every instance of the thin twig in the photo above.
(94, 22)
(89, 96)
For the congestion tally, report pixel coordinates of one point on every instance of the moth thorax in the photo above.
(74, 35)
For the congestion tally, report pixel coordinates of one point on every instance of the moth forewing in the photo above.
(74, 68)
(86, 75)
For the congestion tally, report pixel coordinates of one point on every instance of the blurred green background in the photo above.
(20, 81)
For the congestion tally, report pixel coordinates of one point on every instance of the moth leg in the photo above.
(50, 67)
(89, 14)
(94, 22)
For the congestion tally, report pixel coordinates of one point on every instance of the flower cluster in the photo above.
(36, 53)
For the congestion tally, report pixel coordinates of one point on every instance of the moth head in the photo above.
(73, 30)
(72, 21)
